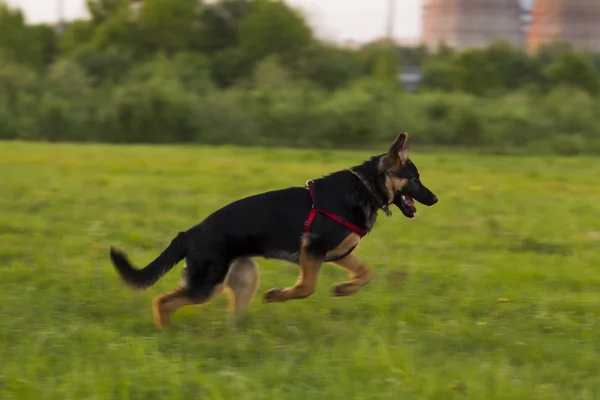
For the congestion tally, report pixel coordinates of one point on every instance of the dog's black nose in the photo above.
(434, 200)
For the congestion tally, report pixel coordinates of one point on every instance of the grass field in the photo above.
(494, 293)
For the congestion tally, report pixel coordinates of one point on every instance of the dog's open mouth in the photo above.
(406, 204)
(409, 202)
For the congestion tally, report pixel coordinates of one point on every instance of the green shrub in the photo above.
(9, 126)
(227, 116)
(65, 107)
(173, 99)
(19, 88)
(570, 110)
(156, 111)
(191, 70)
(513, 120)
(157, 103)
(55, 119)
(576, 70)
(568, 145)
(402, 112)
(349, 117)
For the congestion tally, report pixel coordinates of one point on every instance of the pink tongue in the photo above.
(410, 203)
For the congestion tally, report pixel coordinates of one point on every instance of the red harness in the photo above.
(314, 210)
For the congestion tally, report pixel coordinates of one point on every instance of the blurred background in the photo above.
(501, 76)
(494, 293)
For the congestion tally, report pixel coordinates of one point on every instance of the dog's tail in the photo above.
(141, 279)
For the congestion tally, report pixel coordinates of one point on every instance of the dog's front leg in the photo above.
(358, 270)
(310, 265)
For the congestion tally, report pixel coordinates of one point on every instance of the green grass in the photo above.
(494, 293)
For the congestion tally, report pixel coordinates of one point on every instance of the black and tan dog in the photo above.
(307, 227)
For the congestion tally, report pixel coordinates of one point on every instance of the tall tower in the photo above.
(471, 23)
(439, 21)
(576, 22)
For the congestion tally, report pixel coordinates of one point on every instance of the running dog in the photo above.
(322, 222)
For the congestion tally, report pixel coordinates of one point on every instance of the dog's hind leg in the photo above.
(241, 283)
(358, 270)
(165, 305)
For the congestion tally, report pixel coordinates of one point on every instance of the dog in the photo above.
(321, 222)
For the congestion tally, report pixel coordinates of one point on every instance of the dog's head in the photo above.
(402, 178)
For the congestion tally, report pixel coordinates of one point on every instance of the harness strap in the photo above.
(340, 220)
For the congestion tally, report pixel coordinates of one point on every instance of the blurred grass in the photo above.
(491, 294)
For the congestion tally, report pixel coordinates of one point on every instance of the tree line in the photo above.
(252, 72)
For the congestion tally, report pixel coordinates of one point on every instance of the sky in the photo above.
(336, 20)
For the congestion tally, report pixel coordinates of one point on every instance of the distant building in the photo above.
(576, 22)
(407, 41)
(351, 44)
(471, 23)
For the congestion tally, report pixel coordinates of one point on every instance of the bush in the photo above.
(158, 111)
(19, 88)
(352, 116)
(174, 99)
(569, 110)
(285, 109)
(568, 145)
(452, 119)
(108, 66)
(9, 126)
(55, 122)
(576, 70)
(327, 66)
(190, 70)
(227, 116)
(151, 106)
(65, 108)
(513, 120)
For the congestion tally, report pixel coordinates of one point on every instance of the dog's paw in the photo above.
(272, 295)
(343, 289)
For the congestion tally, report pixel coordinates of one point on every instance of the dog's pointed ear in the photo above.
(398, 152)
